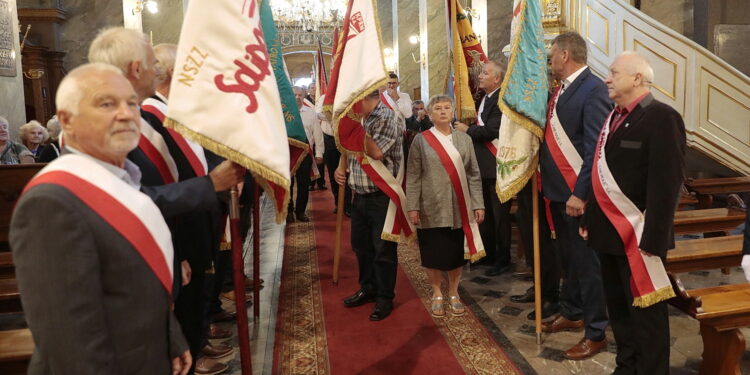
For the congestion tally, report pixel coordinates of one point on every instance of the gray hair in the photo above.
(435, 99)
(499, 66)
(640, 65)
(574, 43)
(53, 127)
(166, 54)
(119, 46)
(24, 130)
(70, 93)
(4, 120)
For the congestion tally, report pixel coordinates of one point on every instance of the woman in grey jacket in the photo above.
(444, 200)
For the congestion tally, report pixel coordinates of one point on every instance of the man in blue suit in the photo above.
(576, 114)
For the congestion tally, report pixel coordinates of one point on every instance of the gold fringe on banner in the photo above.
(262, 173)
(654, 297)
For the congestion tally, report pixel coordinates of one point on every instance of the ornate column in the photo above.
(407, 18)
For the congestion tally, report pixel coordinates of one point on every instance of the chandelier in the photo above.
(308, 15)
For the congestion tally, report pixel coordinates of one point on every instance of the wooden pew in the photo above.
(707, 220)
(7, 270)
(12, 180)
(721, 311)
(705, 188)
(16, 347)
(10, 299)
(705, 253)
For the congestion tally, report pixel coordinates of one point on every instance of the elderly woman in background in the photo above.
(12, 152)
(52, 150)
(444, 200)
(33, 135)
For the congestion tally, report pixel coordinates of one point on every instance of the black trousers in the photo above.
(549, 260)
(641, 334)
(190, 311)
(302, 181)
(582, 294)
(495, 229)
(331, 157)
(376, 258)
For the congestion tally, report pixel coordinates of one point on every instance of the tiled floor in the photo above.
(492, 296)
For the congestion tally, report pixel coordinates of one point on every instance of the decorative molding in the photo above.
(303, 38)
(45, 15)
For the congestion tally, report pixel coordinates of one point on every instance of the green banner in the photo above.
(294, 127)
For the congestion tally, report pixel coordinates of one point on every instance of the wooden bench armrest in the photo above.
(16, 345)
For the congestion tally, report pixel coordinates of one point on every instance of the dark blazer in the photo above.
(491, 117)
(418, 126)
(582, 109)
(91, 302)
(646, 156)
(195, 234)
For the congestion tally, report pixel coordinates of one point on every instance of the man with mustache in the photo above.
(99, 300)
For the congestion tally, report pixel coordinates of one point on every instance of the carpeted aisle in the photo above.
(317, 334)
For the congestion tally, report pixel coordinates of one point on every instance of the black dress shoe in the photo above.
(290, 217)
(494, 271)
(322, 187)
(348, 212)
(524, 298)
(359, 299)
(302, 217)
(548, 309)
(381, 311)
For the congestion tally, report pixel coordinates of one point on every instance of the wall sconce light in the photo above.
(473, 13)
(150, 5)
(390, 59)
(414, 39)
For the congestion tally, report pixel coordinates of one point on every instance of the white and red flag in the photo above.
(359, 69)
(224, 94)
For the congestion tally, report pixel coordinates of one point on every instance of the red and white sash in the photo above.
(454, 167)
(192, 151)
(307, 103)
(649, 282)
(396, 221)
(131, 213)
(388, 101)
(153, 145)
(565, 155)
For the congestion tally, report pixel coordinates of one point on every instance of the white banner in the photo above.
(224, 94)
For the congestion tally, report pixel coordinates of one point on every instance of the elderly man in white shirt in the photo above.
(302, 177)
(401, 99)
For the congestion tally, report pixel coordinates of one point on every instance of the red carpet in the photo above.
(407, 342)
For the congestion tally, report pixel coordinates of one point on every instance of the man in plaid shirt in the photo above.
(376, 257)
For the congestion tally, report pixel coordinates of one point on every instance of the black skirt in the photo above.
(441, 248)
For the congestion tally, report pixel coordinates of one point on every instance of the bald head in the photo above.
(630, 77)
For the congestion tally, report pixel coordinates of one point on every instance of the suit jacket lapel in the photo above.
(631, 121)
(488, 104)
(570, 91)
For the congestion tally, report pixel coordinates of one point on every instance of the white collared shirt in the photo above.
(131, 174)
(571, 78)
(312, 129)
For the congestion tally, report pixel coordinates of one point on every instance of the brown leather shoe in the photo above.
(230, 296)
(562, 323)
(217, 351)
(585, 349)
(217, 333)
(249, 283)
(207, 366)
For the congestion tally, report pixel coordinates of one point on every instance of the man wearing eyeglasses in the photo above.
(402, 100)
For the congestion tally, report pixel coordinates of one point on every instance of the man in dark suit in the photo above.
(644, 152)
(495, 230)
(81, 293)
(577, 110)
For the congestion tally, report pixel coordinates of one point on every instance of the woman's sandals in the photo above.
(437, 309)
(457, 307)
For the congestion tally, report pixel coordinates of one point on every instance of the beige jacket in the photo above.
(428, 188)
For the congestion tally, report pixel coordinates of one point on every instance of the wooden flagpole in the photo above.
(238, 275)
(256, 252)
(537, 264)
(339, 223)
